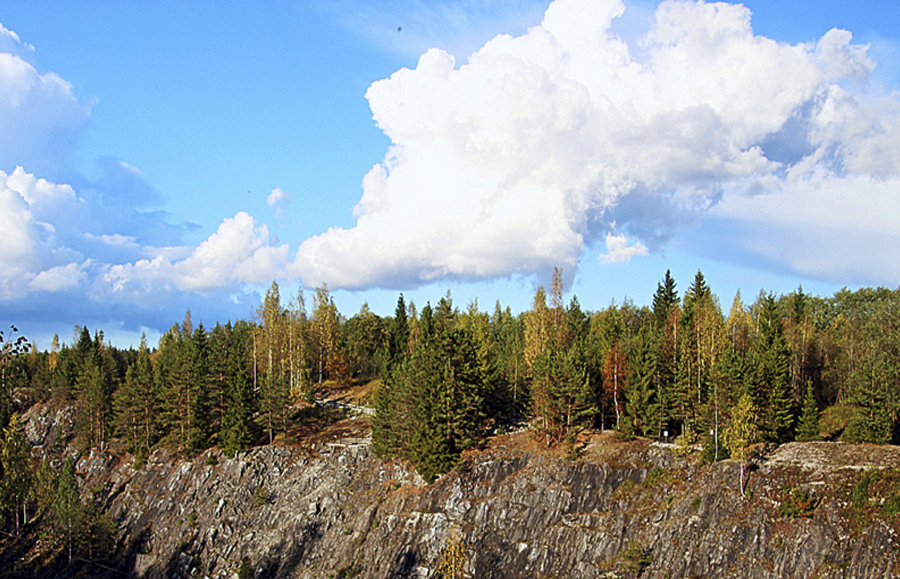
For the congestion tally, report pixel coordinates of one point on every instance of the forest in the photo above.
(442, 379)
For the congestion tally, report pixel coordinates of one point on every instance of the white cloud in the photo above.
(618, 250)
(39, 114)
(19, 241)
(42, 195)
(239, 252)
(11, 43)
(275, 200)
(29, 210)
(520, 158)
(59, 278)
(44, 246)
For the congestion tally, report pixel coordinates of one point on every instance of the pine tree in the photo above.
(182, 377)
(137, 405)
(431, 406)
(68, 510)
(219, 366)
(366, 344)
(199, 390)
(94, 405)
(699, 323)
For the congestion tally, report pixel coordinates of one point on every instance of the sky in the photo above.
(171, 156)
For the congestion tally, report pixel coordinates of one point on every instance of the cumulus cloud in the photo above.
(39, 114)
(46, 250)
(29, 208)
(239, 252)
(59, 278)
(521, 158)
(618, 250)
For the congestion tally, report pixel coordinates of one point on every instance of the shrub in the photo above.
(245, 571)
(799, 503)
(260, 496)
(635, 558)
(860, 494)
(891, 505)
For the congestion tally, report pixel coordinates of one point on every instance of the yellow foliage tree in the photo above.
(453, 557)
(742, 432)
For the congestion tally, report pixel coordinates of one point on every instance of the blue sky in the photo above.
(162, 156)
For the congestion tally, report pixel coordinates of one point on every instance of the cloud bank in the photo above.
(543, 146)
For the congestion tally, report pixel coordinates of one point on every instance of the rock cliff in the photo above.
(513, 509)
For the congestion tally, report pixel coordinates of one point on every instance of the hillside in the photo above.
(327, 507)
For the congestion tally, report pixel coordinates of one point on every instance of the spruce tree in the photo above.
(666, 316)
(808, 424)
(772, 375)
(398, 344)
(237, 432)
(641, 404)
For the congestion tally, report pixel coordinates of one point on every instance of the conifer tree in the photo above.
(873, 376)
(431, 406)
(771, 379)
(68, 510)
(137, 405)
(198, 405)
(808, 424)
(690, 393)
(641, 403)
(560, 386)
(667, 318)
(237, 433)
(665, 298)
(182, 375)
(94, 406)
(398, 345)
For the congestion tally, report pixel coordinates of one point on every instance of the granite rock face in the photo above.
(618, 509)
(518, 510)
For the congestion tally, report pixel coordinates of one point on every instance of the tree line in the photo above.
(442, 378)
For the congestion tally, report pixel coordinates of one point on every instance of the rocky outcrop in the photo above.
(618, 509)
